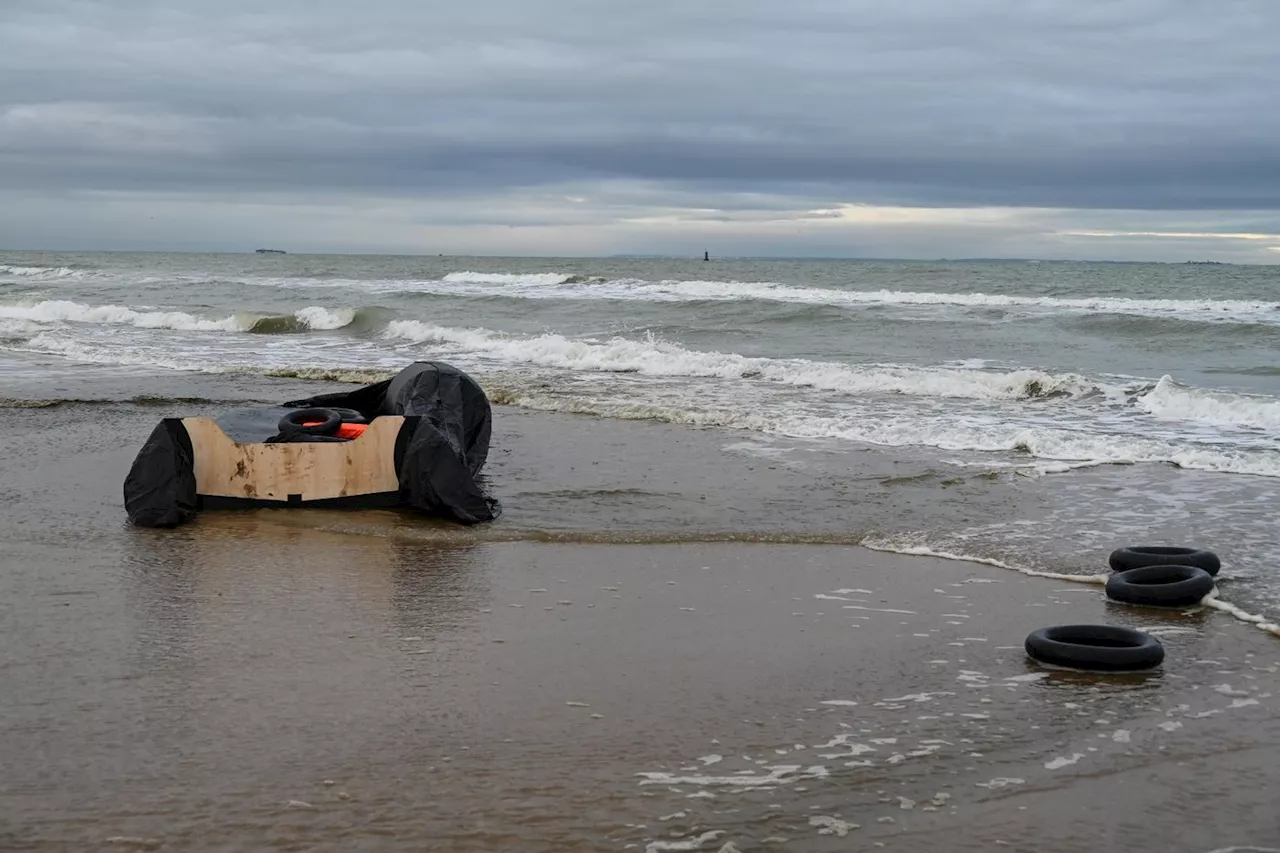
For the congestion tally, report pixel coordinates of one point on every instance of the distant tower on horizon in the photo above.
(706, 256)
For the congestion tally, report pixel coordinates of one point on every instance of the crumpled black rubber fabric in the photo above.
(450, 444)
(160, 489)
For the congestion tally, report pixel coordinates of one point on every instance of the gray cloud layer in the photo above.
(1165, 105)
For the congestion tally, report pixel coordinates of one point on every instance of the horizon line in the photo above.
(648, 256)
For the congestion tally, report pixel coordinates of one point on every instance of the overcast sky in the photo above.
(1125, 129)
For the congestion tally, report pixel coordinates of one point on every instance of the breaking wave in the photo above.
(1068, 448)
(534, 279)
(309, 319)
(17, 328)
(1169, 400)
(1205, 308)
(565, 286)
(58, 310)
(1021, 436)
(562, 286)
(313, 318)
(653, 357)
(39, 272)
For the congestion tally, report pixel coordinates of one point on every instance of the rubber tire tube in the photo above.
(1097, 647)
(1160, 586)
(295, 422)
(1138, 556)
(350, 416)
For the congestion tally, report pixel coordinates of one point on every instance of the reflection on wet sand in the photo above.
(347, 681)
(287, 687)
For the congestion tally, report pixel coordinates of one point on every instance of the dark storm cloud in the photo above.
(1132, 103)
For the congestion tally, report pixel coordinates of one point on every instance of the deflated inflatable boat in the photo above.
(417, 440)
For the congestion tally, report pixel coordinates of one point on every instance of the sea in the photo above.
(1038, 414)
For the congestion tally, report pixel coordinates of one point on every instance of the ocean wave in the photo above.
(17, 328)
(312, 318)
(1074, 448)
(1077, 446)
(1256, 370)
(535, 279)
(1169, 400)
(367, 365)
(566, 286)
(910, 544)
(59, 310)
(953, 428)
(654, 357)
(559, 285)
(1257, 310)
(40, 272)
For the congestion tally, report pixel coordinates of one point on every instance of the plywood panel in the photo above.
(314, 470)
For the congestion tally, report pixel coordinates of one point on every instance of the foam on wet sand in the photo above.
(355, 680)
(706, 722)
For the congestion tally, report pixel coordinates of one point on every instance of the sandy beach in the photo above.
(739, 387)
(301, 680)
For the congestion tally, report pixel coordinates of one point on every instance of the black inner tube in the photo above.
(1160, 586)
(296, 423)
(1095, 647)
(1136, 557)
(350, 416)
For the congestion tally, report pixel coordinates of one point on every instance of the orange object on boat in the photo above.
(345, 430)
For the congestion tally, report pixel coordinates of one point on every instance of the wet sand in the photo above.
(289, 680)
(252, 686)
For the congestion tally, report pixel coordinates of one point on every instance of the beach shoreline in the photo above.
(584, 696)
(565, 679)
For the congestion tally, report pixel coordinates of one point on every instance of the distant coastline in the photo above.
(271, 251)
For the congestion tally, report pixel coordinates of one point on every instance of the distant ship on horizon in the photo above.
(271, 251)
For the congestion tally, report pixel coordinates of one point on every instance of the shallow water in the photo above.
(308, 680)
(247, 683)
(1121, 403)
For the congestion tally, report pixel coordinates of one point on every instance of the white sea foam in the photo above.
(1197, 308)
(828, 825)
(898, 546)
(16, 327)
(38, 272)
(783, 774)
(554, 285)
(1213, 600)
(1068, 449)
(60, 310)
(1169, 400)
(559, 285)
(746, 406)
(990, 430)
(325, 319)
(686, 844)
(652, 356)
(367, 364)
(1063, 761)
(508, 278)
(1068, 445)
(65, 311)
